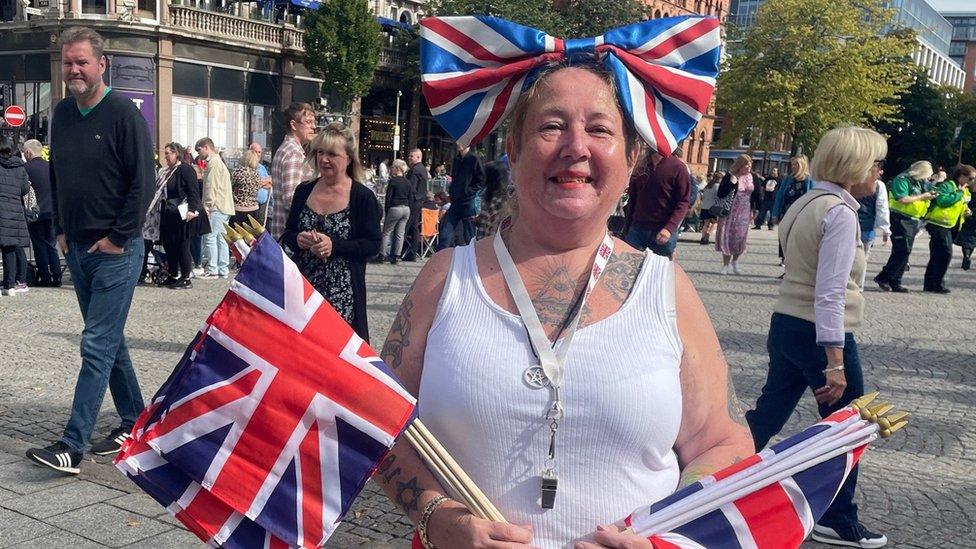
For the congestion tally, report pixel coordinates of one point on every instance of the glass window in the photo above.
(189, 120)
(261, 127)
(132, 73)
(306, 90)
(190, 79)
(147, 8)
(227, 84)
(262, 89)
(94, 6)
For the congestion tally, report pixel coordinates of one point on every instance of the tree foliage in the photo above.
(929, 117)
(342, 46)
(808, 65)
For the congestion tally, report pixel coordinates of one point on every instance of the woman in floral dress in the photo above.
(733, 230)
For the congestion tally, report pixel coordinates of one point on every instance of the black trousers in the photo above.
(14, 266)
(940, 254)
(177, 247)
(411, 245)
(903, 231)
(45, 251)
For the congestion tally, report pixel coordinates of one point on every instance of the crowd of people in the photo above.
(520, 237)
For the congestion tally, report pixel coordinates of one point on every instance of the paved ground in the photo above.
(919, 487)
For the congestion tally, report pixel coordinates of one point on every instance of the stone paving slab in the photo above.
(61, 499)
(918, 487)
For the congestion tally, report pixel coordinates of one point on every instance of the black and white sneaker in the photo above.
(58, 456)
(112, 443)
(853, 536)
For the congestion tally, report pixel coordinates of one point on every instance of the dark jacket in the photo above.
(13, 187)
(182, 185)
(400, 191)
(417, 175)
(364, 241)
(39, 173)
(467, 179)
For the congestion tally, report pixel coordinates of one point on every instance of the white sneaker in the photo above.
(197, 272)
(735, 268)
(725, 270)
(9, 293)
(208, 276)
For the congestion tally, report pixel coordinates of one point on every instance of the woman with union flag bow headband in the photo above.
(633, 400)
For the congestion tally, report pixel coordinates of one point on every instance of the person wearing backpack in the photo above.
(42, 229)
(14, 186)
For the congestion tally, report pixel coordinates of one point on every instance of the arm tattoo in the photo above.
(408, 494)
(399, 338)
(386, 469)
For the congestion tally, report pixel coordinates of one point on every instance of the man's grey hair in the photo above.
(399, 164)
(34, 147)
(83, 34)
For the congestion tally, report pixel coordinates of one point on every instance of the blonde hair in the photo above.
(846, 155)
(802, 170)
(400, 166)
(742, 160)
(920, 170)
(249, 159)
(336, 135)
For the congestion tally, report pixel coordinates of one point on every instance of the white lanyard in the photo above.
(553, 362)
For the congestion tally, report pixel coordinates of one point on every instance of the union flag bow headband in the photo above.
(474, 68)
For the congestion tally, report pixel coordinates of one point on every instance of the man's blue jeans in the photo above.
(796, 363)
(642, 239)
(104, 284)
(456, 215)
(215, 248)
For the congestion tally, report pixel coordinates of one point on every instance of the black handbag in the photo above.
(723, 206)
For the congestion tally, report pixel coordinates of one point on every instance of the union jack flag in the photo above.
(770, 500)
(475, 67)
(273, 420)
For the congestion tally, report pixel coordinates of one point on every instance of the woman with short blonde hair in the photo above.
(811, 334)
(908, 202)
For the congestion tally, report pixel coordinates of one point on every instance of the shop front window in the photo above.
(221, 121)
(35, 99)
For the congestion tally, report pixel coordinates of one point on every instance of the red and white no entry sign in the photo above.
(15, 116)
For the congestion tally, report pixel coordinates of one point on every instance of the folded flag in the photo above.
(772, 499)
(274, 419)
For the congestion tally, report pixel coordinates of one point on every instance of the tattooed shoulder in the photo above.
(621, 274)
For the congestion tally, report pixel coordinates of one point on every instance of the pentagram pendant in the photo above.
(535, 377)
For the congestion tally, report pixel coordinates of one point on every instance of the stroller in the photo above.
(154, 266)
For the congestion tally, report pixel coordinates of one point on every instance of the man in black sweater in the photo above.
(102, 176)
(417, 175)
(467, 180)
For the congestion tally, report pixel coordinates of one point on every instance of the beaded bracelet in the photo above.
(425, 518)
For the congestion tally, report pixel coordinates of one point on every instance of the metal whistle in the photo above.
(549, 483)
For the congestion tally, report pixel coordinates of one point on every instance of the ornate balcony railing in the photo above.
(222, 25)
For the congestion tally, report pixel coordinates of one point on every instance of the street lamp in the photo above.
(396, 127)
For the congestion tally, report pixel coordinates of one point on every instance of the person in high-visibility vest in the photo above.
(947, 212)
(908, 202)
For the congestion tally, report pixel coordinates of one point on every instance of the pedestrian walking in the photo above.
(811, 334)
(947, 212)
(288, 167)
(334, 224)
(769, 187)
(42, 229)
(659, 194)
(733, 229)
(218, 201)
(872, 218)
(908, 203)
(400, 193)
(792, 188)
(182, 205)
(709, 198)
(467, 180)
(418, 177)
(102, 173)
(14, 186)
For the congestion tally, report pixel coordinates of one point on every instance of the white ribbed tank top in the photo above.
(621, 393)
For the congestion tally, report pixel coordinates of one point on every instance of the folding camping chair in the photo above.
(429, 227)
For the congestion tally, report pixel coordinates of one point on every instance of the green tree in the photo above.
(564, 18)
(928, 116)
(342, 46)
(808, 65)
(964, 147)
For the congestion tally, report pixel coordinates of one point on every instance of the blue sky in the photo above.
(953, 5)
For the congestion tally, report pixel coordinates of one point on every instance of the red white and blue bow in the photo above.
(474, 68)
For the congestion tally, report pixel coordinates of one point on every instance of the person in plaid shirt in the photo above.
(288, 167)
